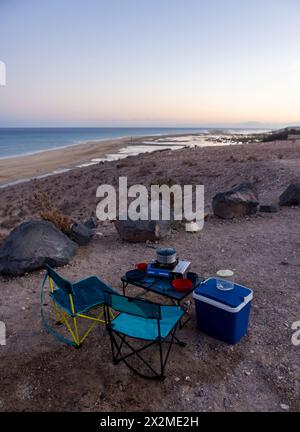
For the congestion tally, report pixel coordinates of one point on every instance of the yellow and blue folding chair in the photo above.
(73, 302)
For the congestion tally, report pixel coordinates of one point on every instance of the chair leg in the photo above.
(63, 318)
(162, 365)
(179, 342)
(58, 314)
(117, 357)
(113, 344)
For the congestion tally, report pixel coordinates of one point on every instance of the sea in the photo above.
(22, 141)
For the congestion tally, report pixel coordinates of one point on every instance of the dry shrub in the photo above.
(48, 212)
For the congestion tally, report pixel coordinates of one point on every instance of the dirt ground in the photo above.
(260, 373)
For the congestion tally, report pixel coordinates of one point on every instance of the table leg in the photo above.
(182, 322)
(124, 287)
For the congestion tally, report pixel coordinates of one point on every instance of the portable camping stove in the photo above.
(167, 265)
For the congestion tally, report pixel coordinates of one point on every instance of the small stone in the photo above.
(188, 378)
(284, 407)
(247, 373)
(192, 227)
(227, 402)
(80, 233)
(177, 379)
(23, 308)
(91, 223)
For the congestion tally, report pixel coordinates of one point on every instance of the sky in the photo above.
(150, 62)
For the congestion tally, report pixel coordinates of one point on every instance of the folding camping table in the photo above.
(162, 286)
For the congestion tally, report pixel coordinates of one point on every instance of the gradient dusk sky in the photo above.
(149, 62)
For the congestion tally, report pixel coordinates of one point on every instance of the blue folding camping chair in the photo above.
(140, 319)
(73, 302)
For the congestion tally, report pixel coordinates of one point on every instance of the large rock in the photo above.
(239, 201)
(33, 244)
(143, 230)
(291, 196)
(268, 208)
(81, 234)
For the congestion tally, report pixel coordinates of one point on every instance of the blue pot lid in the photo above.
(232, 298)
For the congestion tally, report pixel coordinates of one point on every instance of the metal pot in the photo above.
(166, 256)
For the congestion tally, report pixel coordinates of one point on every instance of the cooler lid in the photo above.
(234, 298)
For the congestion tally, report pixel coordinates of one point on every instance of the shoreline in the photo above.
(57, 160)
(23, 168)
(188, 132)
(95, 141)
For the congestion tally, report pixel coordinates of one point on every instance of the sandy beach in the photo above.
(28, 166)
(42, 163)
(260, 373)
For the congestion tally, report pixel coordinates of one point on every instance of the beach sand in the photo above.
(24, 167)
(28, 166)
(260, 373)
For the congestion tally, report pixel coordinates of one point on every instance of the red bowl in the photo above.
(141, 266)
(182, 284)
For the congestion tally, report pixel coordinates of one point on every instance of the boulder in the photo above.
(80, 233)
(33, 244)
(268, 208)
(291, 196)
(141, 231)
(91, 223)
(240, 201)
(145, 230)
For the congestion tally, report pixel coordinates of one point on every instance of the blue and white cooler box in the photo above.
(223, 314)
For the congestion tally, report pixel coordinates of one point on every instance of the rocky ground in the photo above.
(260, 373)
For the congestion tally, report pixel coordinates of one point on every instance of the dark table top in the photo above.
(159, 285)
